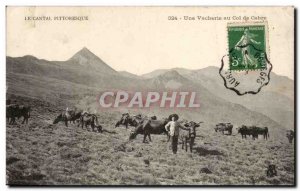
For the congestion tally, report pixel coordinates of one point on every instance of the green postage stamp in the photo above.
(247, 46)
(246, 68)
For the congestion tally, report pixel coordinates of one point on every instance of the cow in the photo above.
(125, 120)
(148, 127)
(15, 110)
(90, 119)
(66, 116)
(76, 115)
(244, 131)
(260, 131)
(224, 127)
(290, 135)
(254, 131)
(24, 111)
(134, 120)
(188, 136)
(11, 113)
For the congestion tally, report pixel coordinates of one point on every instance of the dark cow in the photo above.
(11, 113)
(24, 111)
(90, 119)
(14, 111)
(134, 121)
(125, 120)
(66, 116)
(290, 135)
(224, 127)
(76, 116)
(244, 131)
(188, 136)
(260, 131)
(147, 127)
(254, 131)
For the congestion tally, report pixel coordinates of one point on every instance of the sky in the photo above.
(142, 39)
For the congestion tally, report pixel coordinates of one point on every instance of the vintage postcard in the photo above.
(167, 96)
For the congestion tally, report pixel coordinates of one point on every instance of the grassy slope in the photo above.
(42, 153)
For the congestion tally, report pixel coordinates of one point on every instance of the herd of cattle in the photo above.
(143, 125)
(83, 119)
(14, 111)
(151, 125)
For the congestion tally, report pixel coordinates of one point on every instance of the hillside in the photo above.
(129, 75)
(158, 72)
(271, 101)
(83, 68)
(280, 89)
(73, 81)
(43, 153)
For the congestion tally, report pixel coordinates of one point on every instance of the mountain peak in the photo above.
(85, 50)
(171, 74)
(170, 79)
(86, 58)
(84, 53)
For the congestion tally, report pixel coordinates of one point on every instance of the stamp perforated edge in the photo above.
(236, 24)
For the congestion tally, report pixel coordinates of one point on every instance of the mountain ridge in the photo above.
(86, 58)
(204, 81)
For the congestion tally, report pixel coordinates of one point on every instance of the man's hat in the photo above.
(174, 115)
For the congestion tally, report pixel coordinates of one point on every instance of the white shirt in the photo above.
(174, 128)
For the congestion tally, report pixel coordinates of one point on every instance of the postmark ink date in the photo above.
(231, 79)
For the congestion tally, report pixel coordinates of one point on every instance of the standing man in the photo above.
(173, 128)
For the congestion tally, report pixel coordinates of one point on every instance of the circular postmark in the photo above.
(246, 68)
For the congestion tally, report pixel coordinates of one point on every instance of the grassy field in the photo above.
(42, 153)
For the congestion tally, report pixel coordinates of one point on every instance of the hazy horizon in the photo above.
(127, 70)
(139, 40)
